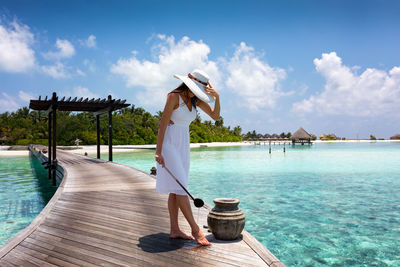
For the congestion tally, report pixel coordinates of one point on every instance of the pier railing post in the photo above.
(110, 157)
(98, 135)
(49, 150)
(53, 165)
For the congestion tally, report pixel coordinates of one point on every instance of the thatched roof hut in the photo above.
(301, 136)
(395, 137)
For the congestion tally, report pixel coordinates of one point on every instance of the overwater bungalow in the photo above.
(395, 137)
(301, 136)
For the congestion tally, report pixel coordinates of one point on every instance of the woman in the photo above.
(173, 145)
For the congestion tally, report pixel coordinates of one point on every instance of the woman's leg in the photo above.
(184, 205)
(173, 209)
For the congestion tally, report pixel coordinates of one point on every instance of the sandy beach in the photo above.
(13, 153)
(135, 148)
(92, 149)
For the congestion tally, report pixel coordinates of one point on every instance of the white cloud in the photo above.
(373, 92)
(7, 103)
(16, 55)
(24, 96)
(91, 41)
(90, 64)
(80, 73)
(65, 50)
(170, 57)
(302, 89)
(80, 91)
(84, 92)
(254, 81)
(57, 71)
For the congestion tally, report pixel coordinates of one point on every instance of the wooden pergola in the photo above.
(97, 106)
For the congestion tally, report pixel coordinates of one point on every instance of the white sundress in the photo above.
(176, 151)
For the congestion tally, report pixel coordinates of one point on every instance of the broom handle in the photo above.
(179, 182)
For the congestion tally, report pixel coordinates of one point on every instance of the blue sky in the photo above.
(328, 66)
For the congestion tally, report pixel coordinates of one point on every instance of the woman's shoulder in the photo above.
(173, 97)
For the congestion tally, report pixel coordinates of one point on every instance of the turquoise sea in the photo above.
(24, 191)
(331, 204)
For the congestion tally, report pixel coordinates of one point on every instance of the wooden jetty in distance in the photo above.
(108, 214)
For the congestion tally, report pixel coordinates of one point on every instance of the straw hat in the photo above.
(196, 80)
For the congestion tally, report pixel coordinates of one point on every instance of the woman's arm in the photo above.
(172, 100)
(212, 112)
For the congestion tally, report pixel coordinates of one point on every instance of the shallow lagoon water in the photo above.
(335, 204)
(24, 191)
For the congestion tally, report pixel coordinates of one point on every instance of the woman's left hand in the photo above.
(211, 91)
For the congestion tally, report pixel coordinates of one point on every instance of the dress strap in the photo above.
(181, 102)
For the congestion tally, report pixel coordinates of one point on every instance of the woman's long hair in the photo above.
(185, 89)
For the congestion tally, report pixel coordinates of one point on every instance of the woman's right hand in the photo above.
(160, 159)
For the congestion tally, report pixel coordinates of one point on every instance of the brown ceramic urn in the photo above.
(226, 220)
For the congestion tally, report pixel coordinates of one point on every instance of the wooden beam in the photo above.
(102, 111)
(110, 155)
(54, 99)
(98, 135)
(49, 110)
(49, 148)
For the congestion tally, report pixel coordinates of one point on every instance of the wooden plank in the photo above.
(83, 255)
(138, 220)
(12, 257)
(122, 249)
(135, 239)
(5, 263)
(109, 214)
(261, 251)
(20, 253)
(93, 253)
(45, 257)
(135, 233)
(50, 250)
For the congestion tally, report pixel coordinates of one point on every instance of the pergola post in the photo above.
(49, 149)
(110, 157)
(98, 135)
(54, 163)
(97, 106)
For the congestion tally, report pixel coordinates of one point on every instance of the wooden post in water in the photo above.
(49, 149)
(98, 135)
(269, 147)
(110, 157)
(54, 163)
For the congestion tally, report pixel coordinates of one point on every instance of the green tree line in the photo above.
(133, 126)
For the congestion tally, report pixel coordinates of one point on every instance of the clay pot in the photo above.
(226, 220)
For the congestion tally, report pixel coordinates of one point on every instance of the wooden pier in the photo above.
(108, 214)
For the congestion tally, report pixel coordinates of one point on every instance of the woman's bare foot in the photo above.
(179, 235)
(200, 238)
